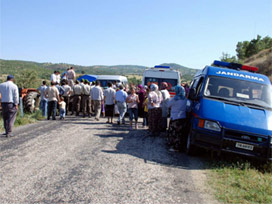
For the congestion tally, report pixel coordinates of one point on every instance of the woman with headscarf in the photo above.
(164, 104)
(141, 95)
(177, 118)
(154, 110)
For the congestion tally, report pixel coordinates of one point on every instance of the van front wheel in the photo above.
(190, 148)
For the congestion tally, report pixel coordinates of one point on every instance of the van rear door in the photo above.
(171, 82)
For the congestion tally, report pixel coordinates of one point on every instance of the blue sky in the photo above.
(141, 32)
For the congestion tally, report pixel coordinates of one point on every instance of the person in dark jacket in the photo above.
(141, 95)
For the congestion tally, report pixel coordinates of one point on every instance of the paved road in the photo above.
(84, 161)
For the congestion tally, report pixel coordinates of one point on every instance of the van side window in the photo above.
(195, 83)
(199, 86)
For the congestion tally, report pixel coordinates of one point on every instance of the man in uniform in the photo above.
(9, 102)
(82, 86)
(77, 90)
(71, 76)
(86, 99)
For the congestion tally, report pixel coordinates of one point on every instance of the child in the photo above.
(62, 108)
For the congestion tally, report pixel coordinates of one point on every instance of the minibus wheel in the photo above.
(190, 148)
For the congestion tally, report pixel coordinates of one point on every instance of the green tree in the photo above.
(267, 42)
(228, 58)
(246, 49)
(27, 79)
(134, 80)
(241, 49)
(254, 46)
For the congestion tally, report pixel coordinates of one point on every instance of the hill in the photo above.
(44, 70)
(263, 60)
(186, 73)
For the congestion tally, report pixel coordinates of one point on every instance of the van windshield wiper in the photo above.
(224, 99)
(240, 103)
(252, 105)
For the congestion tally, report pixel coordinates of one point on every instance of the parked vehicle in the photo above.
(231, 111)
(89, 77)
(159, 74)
(104, 79)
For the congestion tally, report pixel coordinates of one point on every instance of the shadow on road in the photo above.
(151, 149)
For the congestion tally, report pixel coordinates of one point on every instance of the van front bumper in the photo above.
(250, 145)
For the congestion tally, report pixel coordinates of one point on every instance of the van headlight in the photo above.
(209, 125)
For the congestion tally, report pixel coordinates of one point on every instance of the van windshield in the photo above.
(239, 91)
(171, 82)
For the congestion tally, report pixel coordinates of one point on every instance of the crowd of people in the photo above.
(66, 95)
(152, 104)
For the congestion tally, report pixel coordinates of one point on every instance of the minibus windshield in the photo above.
(239, 91)
(171, 82)
(104, 83)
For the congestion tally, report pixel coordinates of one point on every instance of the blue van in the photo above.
(231, 111)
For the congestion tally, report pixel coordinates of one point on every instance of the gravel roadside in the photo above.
(85, 161)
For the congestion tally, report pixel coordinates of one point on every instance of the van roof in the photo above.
(235, 74)
(111, 77)
(161, 69)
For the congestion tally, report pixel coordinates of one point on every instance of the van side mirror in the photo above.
(192, 94)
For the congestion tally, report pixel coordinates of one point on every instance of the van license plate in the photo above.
(244, 146)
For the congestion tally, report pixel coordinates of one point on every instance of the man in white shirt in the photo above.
(58, 77)
(54, 77)
(109, 101)
(9, 102)
(97, 97)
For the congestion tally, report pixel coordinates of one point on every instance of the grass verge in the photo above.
(27, 119)
(241, 182)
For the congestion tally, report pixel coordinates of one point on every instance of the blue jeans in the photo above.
(62, 113)
(133, 113)
(122, 108)
(43, 106)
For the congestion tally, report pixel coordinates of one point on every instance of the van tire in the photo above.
(190, 149)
